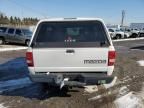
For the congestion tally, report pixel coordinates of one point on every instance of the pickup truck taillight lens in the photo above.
(29, 59)
(111, 58)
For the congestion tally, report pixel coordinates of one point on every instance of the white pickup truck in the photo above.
(71, 52)
(118, 34)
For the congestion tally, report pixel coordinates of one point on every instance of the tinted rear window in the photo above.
(71, 32)
(27, 32)
(18, 32)
(11, 31)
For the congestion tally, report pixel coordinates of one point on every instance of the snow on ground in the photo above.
(12, 49)
(14, 84)
(141, 93)
(129, 39)
(141, 62)
(91, 89)
(123, 90)
(1, 106)
(95, 98)
(94, 88)
(128, 99)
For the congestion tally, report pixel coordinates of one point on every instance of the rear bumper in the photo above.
(74, 79)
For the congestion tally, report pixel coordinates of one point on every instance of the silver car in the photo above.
(16, 35)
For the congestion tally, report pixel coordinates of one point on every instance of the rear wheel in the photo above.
(27, 42)
(118, 36)
(141, 34)
(134, 35)
(125, 36)
(2, 41)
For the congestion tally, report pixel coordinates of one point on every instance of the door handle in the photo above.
(70, 51)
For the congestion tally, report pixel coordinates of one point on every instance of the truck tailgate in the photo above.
(70, 59)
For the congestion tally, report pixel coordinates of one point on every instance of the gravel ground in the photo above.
(31, 95)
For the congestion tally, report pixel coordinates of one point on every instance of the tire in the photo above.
(27, 42)
(118, 37)
(141, 34)
(125, 36)
(134, 35)
(2, 41)
(138, 35)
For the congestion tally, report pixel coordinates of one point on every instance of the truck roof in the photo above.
(70, 19)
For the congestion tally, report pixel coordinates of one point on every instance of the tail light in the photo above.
(29, 59)
(111, 58)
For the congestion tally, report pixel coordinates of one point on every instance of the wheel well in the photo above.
(2, 37)
(119, 35)
(125, 35)
(134, 34)
(27, 40)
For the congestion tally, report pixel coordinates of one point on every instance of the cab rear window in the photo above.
(74, 33)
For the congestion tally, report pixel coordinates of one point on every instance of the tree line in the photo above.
(16, 21)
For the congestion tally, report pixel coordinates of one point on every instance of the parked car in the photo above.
(131, 33)
(71, 52)
(135, 33)
(142, 33)
(2, 34)
(116, 33)
(127, 33)
(16, 35)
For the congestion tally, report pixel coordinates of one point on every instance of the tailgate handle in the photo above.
(70, 51)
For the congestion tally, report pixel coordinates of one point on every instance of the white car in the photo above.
(142, 33)
(117, 34)
(127, 33)
(135, 33)
(71, 52)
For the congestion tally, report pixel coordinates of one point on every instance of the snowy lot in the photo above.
(126, 90)
(11, 47)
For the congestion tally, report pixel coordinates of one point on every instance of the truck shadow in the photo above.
(56, 92)
(36, 91)
(137, 48)
(14, 81)
(13, 69)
